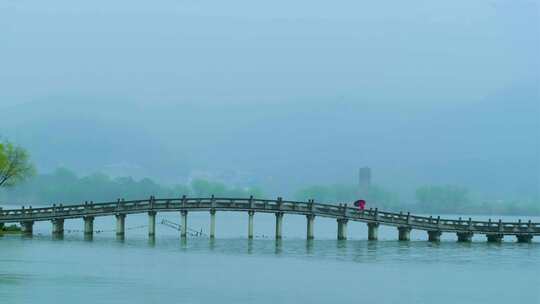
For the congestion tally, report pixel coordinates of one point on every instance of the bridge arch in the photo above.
(342, 213)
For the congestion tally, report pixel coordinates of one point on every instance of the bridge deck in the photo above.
(268, 206)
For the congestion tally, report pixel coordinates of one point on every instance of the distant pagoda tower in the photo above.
(364, 180)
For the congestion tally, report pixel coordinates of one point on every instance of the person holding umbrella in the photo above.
(361, 204)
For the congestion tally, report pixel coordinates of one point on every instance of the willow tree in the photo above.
(15, 165)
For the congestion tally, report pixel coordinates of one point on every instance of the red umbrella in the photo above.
(361, 204)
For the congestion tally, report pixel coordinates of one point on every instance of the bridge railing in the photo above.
(270, 205)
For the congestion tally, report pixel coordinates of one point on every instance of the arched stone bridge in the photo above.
(405, 222)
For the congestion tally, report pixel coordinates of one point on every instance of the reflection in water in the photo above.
(372, 246)
(139, 269)
(250, 246)
(309, 247)
(341, 248)
(183, 243)
(279, 246)
(12, 279)
(403, 246)
(303, 266)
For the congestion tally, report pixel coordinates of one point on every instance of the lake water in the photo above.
(232, 269)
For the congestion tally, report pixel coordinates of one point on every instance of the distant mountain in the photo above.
(490, 145)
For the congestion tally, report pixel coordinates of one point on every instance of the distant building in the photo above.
(364, 180)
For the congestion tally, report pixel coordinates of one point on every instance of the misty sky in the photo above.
(278, 93)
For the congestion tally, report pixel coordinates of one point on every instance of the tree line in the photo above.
(64, 186)
(438, 199)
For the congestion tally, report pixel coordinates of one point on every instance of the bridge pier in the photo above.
(251, 213)
(434, 235)
(342, 228)
(88, 225)
(58, 227)
(183, 229)
(121, 224)
(212, 223)
(494, 237)
(464, 237)
(404, 233)
(373, 231)
(152, 223)
(310, 222)
(279, 225)
(27, 227)
(524, 238)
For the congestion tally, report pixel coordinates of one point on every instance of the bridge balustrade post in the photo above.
(152, 223)
(88, 225)
(212, 201)
(251, 213)
(184, 201)
(342, 228)
(212, 223)
(58, 227)
(279, 225)
(151, 202)
(120, 224)
(183, 229)
(408, 218)
(251, 204)
(404, 233)
(373, 231)
(310, 223)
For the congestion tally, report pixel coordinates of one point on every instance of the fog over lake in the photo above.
(278, 94)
